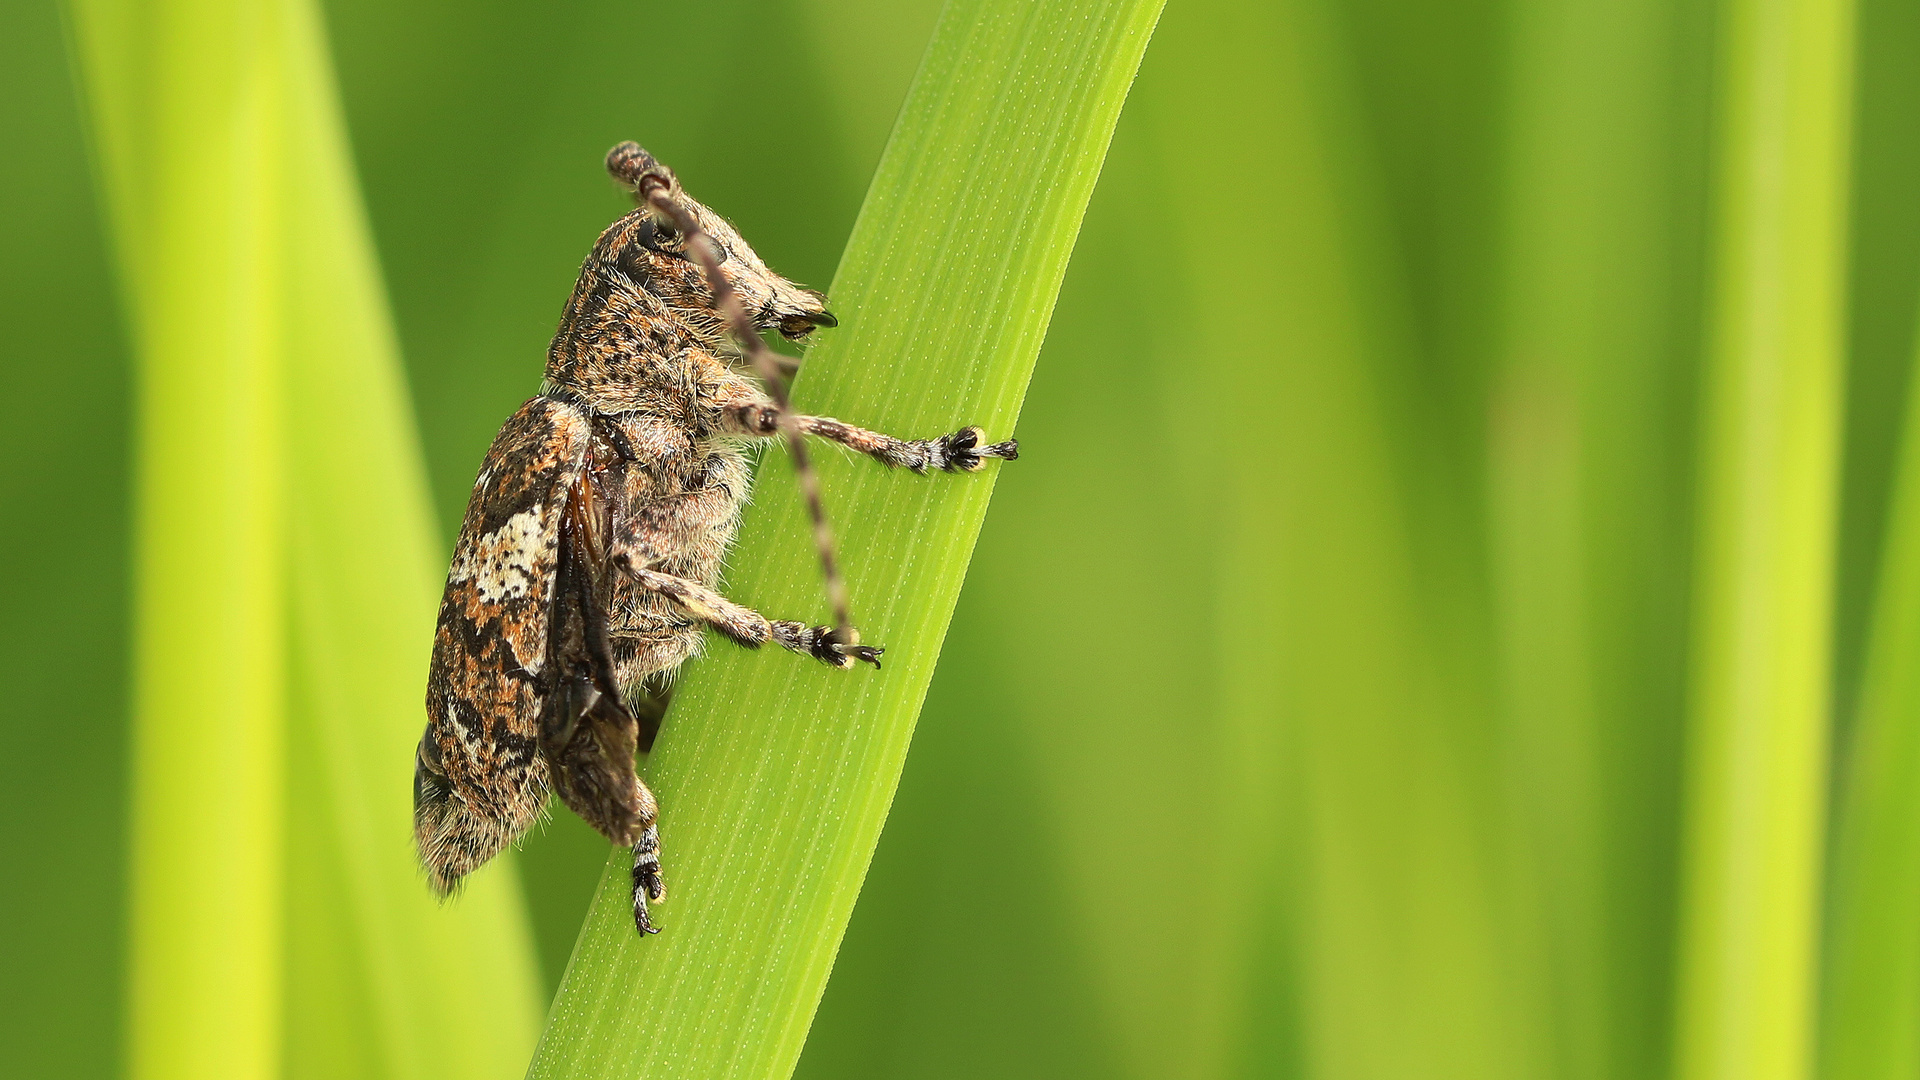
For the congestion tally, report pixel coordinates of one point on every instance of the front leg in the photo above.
(745, 626)
(965, 450)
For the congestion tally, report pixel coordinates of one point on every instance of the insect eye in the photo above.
(658, 235)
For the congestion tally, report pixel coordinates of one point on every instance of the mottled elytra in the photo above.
(588, 561)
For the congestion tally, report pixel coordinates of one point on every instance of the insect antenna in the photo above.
(658, 193)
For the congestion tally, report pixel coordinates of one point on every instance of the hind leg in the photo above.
(745, 626)
(639, 655)
(648, 886)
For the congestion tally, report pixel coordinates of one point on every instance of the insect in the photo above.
(587, 563)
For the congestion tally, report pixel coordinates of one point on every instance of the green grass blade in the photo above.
(379, 972)
(1026, 727)
(1276, 304)
(1758, 734)
(1360, 700)
(197, 214)
(1023, 938)
(1871, 995)
(63, 616)
(1588, 504)
(775, 776)
(1883, 283)
(285, 544)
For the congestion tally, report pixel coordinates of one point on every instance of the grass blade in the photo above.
(378, 969)
(1025, 726)
(1361, 699)
(1759, 709)
(1588, 462)
(196, 213)
(63, 617)
(1870, 995)
(774, 776)
(285, 538)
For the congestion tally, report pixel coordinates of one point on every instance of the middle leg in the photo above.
(745, 626)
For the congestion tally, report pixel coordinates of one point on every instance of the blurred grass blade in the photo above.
(186, 102)
(1588, 500)
(775, 776)
(1871, 996)
(1308, 609)
(281, 487)
(379, 970)
(1758, 736)
(1350, 714)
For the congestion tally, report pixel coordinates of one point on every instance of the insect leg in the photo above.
(965, 450)
(647, 882)
(745, 626)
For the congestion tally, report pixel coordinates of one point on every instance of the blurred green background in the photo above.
(1317, 704)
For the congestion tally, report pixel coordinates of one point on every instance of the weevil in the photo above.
(588, 562)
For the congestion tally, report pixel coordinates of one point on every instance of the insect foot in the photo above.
(962, 450)
(647, 883)
(825, 644)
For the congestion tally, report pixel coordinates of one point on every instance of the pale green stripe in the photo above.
(1757, 741)
(423, 990)
(187, 97)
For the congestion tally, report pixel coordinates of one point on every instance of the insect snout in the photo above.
(795, 327)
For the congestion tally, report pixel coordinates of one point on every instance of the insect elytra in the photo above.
(588, 562)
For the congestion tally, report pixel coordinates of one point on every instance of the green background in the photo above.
(1316, 703)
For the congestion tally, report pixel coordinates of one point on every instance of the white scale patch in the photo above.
(500, 564)
(459, 729)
